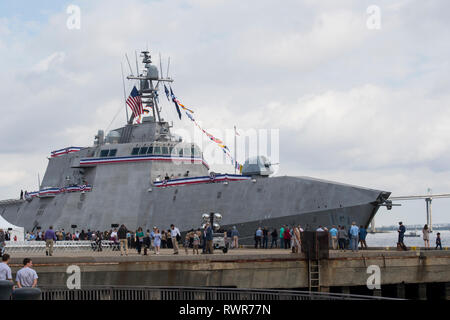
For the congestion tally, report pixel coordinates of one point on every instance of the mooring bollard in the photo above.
(5, 289)
(27, 294)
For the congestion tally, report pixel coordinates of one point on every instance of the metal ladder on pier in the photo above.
(314, 275)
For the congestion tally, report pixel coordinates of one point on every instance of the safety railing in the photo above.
(73, 246)
(10, 202)
(190, 293)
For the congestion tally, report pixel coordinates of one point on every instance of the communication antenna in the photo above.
(129, 65)
(168, 66)
(124, 93)
(160, 65)
(137, 66)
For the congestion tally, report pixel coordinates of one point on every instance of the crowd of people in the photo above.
(289, 237)
(285, 237)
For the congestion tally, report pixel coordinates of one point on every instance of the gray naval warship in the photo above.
(143, 175)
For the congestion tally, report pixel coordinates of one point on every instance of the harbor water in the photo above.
(390, 239)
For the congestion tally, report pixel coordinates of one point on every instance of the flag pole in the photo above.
(168, 66)
(124, 93)
(160, 66)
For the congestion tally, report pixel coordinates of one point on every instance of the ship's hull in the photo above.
(265, 202)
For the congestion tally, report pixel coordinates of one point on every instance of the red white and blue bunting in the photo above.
(51, 192)
(67, 150)
(206, 179)
(189, 113)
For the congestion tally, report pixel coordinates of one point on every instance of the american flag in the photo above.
(135, 103)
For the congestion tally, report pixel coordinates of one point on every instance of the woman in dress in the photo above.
(186, 242)
(196, 243)
(426, 236)
(157, 241)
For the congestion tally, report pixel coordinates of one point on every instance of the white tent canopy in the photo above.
(13, 230)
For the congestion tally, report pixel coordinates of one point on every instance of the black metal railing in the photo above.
(189, 293)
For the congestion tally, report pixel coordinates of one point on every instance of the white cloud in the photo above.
(53, 59)
(10, 177)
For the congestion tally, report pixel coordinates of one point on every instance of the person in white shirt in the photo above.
(26, 277)
(114, 234)
(5, 270)
(174, 232)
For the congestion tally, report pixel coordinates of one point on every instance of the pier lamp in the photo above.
(212, 218)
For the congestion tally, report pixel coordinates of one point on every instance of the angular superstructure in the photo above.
(142, 175)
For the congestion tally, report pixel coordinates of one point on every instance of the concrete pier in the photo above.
(402, 274)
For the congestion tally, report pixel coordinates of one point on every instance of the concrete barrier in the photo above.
(27, 294)
(5, 289)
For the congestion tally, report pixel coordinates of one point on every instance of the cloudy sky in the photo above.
(353, 103)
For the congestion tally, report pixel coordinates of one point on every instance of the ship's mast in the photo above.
(147, 88)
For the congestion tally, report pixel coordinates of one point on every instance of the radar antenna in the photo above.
(147, 87)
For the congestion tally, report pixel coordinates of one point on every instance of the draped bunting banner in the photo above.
(171, 97)
(51, 192)
(219, 143)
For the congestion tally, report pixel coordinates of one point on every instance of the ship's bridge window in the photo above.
(165, 150)
(187, 152)
(143, 150)
(180, 152)
(157, 150)
(150, 150)
(108, 153)
(171, 150)
(194, 152)
(135, 151)
(104, 153)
